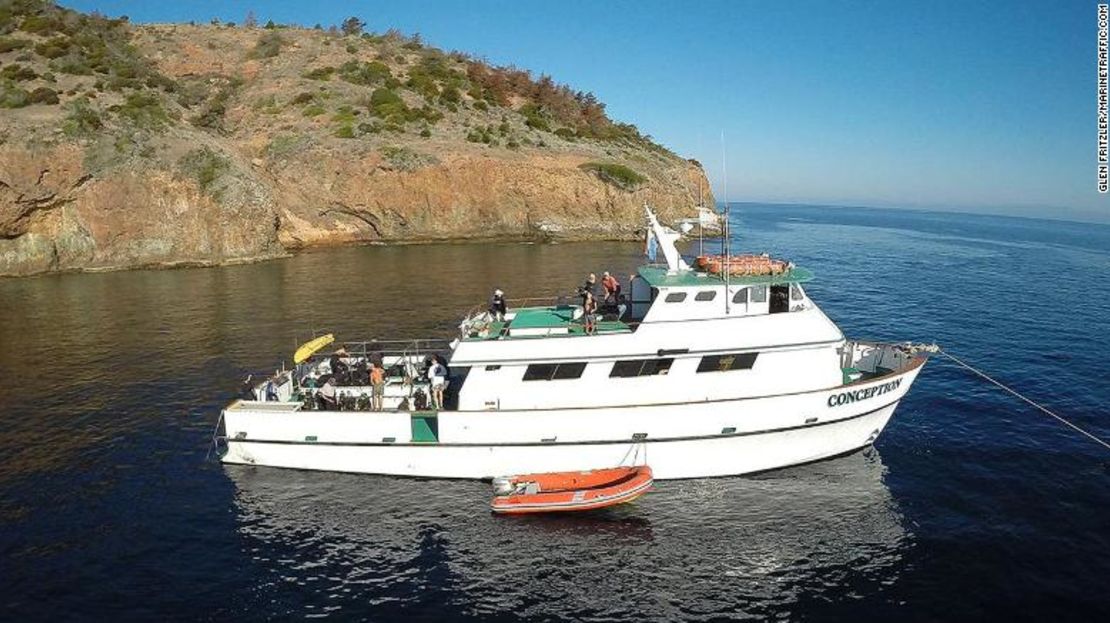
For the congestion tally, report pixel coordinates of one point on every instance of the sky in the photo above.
(969, 106)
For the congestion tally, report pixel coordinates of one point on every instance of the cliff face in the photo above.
(207, 144)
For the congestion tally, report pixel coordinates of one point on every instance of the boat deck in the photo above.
(553, 320)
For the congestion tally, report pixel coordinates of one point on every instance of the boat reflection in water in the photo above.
(692, 548)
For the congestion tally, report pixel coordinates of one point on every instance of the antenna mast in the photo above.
(701, 206)
(726, 263)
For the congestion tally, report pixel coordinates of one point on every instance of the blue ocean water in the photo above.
(971, 506)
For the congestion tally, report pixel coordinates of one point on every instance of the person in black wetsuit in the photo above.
(339, 369)
(497, 306)
(590, 286)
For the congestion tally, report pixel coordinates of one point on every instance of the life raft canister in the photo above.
(741, 265)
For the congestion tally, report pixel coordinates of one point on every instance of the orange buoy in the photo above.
(570, 491)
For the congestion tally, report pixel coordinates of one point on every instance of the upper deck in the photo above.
(542, 321)
(563, 319)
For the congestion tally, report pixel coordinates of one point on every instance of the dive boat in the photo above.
(570, 491)
(711, 373)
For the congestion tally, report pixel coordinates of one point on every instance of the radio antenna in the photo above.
(701, 209)
(726, 262)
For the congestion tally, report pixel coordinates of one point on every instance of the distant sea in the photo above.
(971, 506)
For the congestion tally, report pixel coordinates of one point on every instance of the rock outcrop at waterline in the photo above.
(125, 146)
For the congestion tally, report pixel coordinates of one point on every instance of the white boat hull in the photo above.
(682, 440)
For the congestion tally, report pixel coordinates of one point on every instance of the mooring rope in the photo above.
(1004, 387)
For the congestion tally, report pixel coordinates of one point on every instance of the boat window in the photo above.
(706, 295)
(492, 368)
(759, 294)
(626, 368)
(549, 371)
(656, 366)
(641, 367)
(539, 372)
(569, 370)
(741, 296)
(675, 297)
(780, 299)
(795, 292)
(724, 363)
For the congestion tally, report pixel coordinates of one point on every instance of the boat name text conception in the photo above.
(844, 398)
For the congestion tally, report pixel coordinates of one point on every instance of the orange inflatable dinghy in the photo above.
(570, 491)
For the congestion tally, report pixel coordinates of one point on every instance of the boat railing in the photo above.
(872, 355)
(415, 347)
(540, 301)
(479, 310)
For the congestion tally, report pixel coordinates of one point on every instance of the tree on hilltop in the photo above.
(352, 26)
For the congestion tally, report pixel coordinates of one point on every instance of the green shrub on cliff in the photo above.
(302, 98)
(43, 95)
(18, 73)
(7, 44)
(205, 167)
(41, 23)
(366, 74)
(535, 117)
(267, 105)
(615, 174)
(285, 144)
(268, 46)
(320, 73)
(212, 115)
(12, 96)
(344, 114)
(54, 48)
(386, 103)
(405, 159)
(143, 110)
(82, 119)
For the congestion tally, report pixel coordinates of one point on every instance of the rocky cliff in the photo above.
(125, 145)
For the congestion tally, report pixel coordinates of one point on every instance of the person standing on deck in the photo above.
(374, 353)
(327, 396)
(612, 288)
(497, 307)
(589, 311)
(438, 376)
(591, 285)
(340, 371)
(377, 385)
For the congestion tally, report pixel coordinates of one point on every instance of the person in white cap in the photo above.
(497, 307)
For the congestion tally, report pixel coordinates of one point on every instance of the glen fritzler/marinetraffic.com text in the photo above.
(1103, 120)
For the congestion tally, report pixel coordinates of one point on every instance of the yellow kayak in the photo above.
(310, 347)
